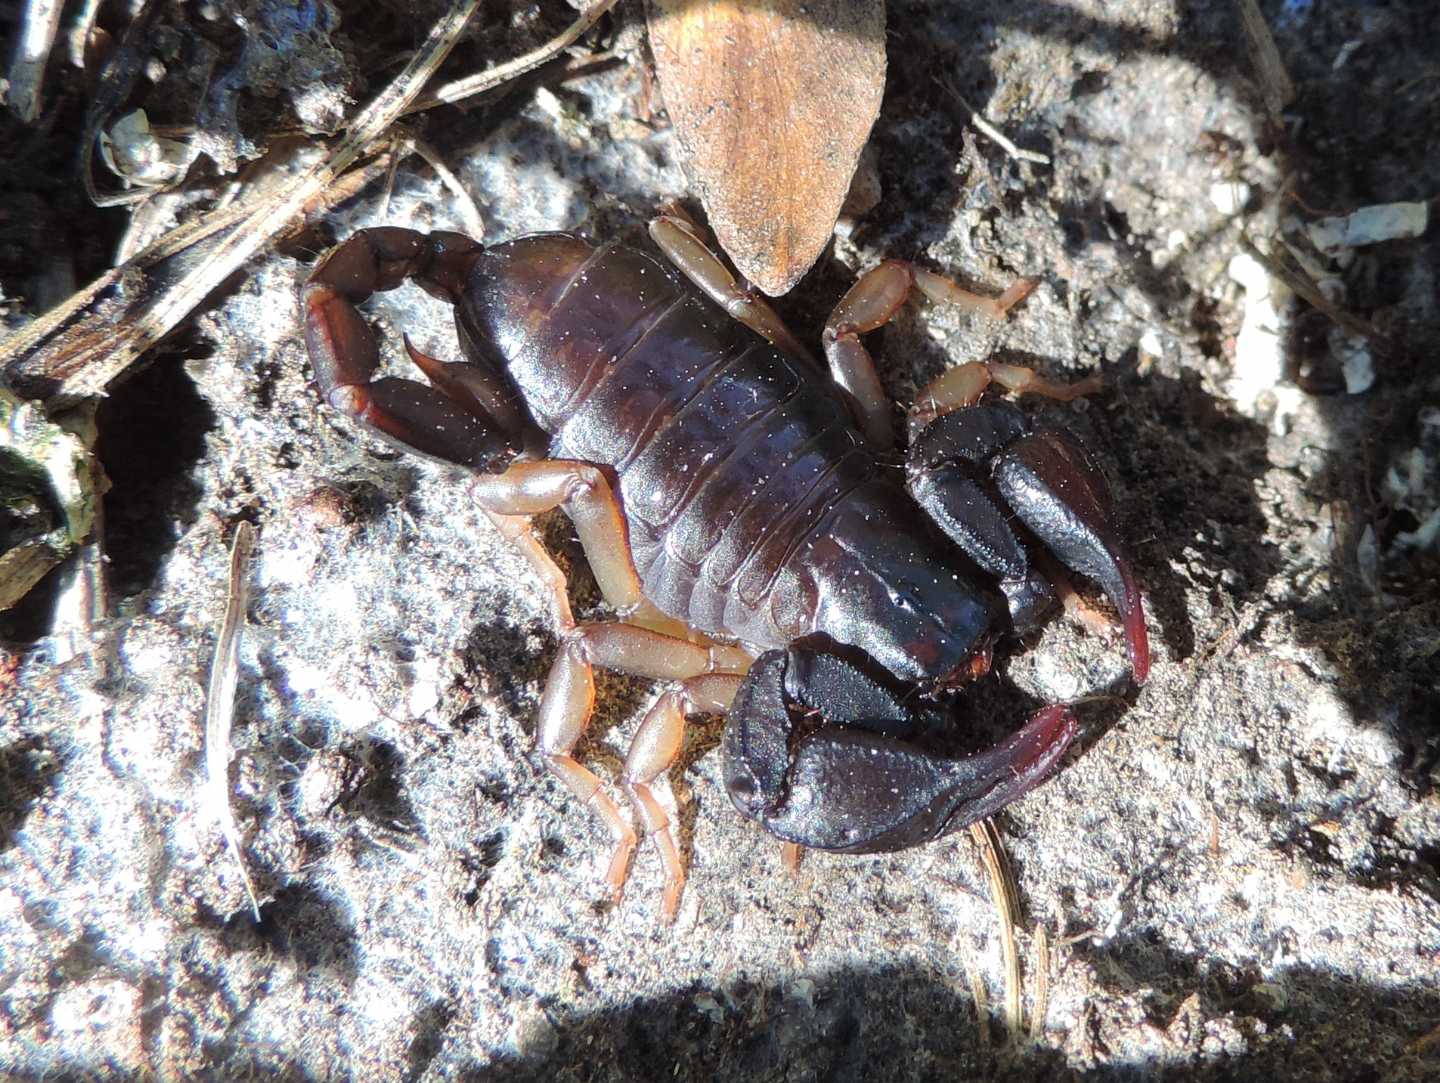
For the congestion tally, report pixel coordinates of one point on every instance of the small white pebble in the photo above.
(1230, 197)
(1356, 361)
(1150, 344)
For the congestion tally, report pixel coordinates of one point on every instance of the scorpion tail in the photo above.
(458, 417)
(1051, 482)
(818, 753)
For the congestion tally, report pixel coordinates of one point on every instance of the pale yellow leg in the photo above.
(964, 384)
(686, 249)
(873, 302)
(569, 699)
(654, 749)
(527, 489)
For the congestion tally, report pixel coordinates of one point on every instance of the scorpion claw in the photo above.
(1050, 481)
(817, 752)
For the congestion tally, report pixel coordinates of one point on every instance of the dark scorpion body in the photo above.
(734, 501)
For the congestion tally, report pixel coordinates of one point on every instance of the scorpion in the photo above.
(765, 551)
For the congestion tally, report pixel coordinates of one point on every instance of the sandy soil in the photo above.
(1238, 870)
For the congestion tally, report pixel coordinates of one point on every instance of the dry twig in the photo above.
(78, 36)
(471, 85)
(82, 346)
(32, 51)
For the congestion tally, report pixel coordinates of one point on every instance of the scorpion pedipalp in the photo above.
(1054, 486)
(968, 465)
(822, 755)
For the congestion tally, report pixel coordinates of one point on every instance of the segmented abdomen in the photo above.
(730, 455)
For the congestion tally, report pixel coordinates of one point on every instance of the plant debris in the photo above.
(47, 496)
(772, 104)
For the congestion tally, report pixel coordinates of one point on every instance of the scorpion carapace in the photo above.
(742, 514)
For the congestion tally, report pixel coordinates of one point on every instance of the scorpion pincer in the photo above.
(744, 516)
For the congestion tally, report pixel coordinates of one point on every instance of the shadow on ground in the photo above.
(904, 1023)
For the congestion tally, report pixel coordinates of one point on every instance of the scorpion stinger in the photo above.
(823, 756)
(463, 417)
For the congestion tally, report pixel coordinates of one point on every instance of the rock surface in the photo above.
(1237, 873)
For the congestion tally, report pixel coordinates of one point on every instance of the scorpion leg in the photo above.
(510, 499)
(566, 706)
(654, 749)
(823, 756)
(684, 247)
(870, 304)
(519, 531)
(964, 384)
(527, 489)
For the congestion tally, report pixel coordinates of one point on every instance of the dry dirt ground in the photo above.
(1238, 871)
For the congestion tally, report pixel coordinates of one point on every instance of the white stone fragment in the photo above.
(139, 156)
(425, 692)
(1370, 225)
(1367, 559)
(1346, 52)
(1150, 344)
(1355, 358)
(1259, 353)
(1359, 371)
(1230, 197)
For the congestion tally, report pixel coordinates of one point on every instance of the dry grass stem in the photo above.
(1275, 85)
(981, 998)
(463, 204)
(1303, 286)
(999, 138)
(1040, 967)
(1007, 909)
(81, 348)
(471, 85)
(220, 700)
